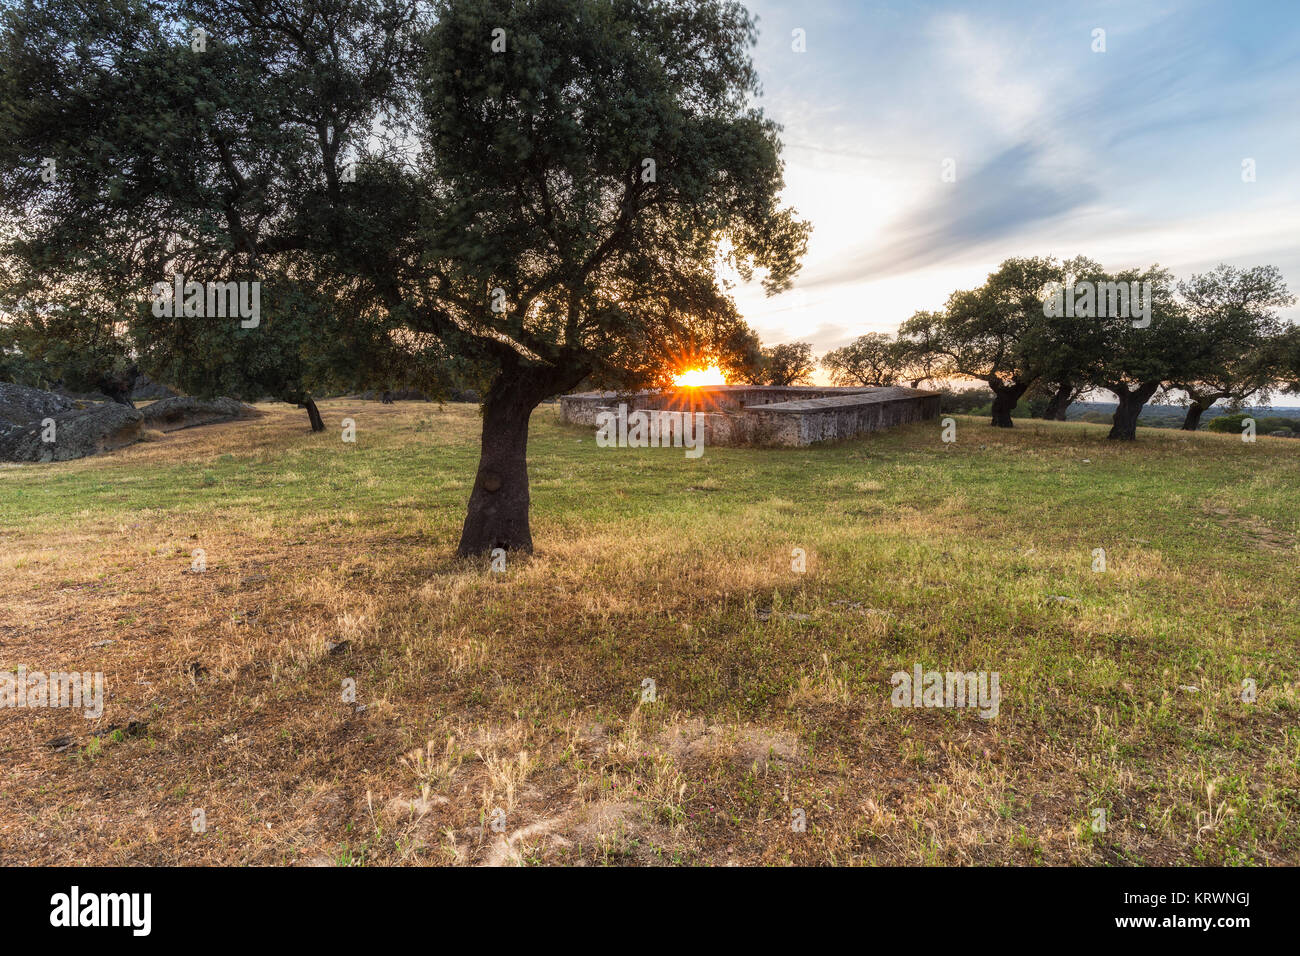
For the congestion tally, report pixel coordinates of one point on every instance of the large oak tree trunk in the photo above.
(498, 505)
(497, 516)
(1192, 421)
(1005, 398)
(1060, 403)
(118, 386)
(1131, 402)
(1201, 402)
(313, 414)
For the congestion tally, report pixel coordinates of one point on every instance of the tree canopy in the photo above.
(1054, 331)
(869, 360)
(789, 363)
(541, 191)
(993, 333)
(1235, 327)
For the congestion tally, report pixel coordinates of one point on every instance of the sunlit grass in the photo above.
(972, 556)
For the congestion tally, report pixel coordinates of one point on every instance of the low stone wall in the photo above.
(830, 419)
(764, 415)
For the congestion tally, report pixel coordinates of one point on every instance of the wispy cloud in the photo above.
(976, 211)
(1134, 152)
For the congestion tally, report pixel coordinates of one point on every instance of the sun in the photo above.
(695, 377)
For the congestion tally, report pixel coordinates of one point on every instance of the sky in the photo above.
(1131, 156)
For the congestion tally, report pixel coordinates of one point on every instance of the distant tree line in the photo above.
(1215, 337)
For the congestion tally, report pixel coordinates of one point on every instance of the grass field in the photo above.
(522, 691)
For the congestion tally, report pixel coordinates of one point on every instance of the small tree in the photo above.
(1139, 357)
(790, 363)
(994, 333)
(916, 348)
(1234, 325)
(1230, 424)
(869, 360)
(1068, 347)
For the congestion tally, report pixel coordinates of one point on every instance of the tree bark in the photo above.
(1201, 402)
(1193, 419)
(1005, 398)
(497, 516)
(1060, 403)
(1131, 402)
(118, 387)
(313, 414)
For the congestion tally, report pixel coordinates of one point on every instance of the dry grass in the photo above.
(504, 719)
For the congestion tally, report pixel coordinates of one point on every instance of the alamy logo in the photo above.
(651, 429)
(219, 300)
(952, 689)
(1108, 300)
(56, 689)
(103, 909)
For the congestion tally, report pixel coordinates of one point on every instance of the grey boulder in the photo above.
(76, 434)
(173, 414)
(20, 405)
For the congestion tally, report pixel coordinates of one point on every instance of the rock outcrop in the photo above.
(20, 405)
(173, 414)
(72, 434)
(146, 389)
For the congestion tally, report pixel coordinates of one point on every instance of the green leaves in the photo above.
(594, 175)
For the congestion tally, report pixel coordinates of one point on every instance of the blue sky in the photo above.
(1131, 156)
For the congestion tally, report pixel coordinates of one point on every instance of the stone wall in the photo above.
(831, 419)
(765, 415)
